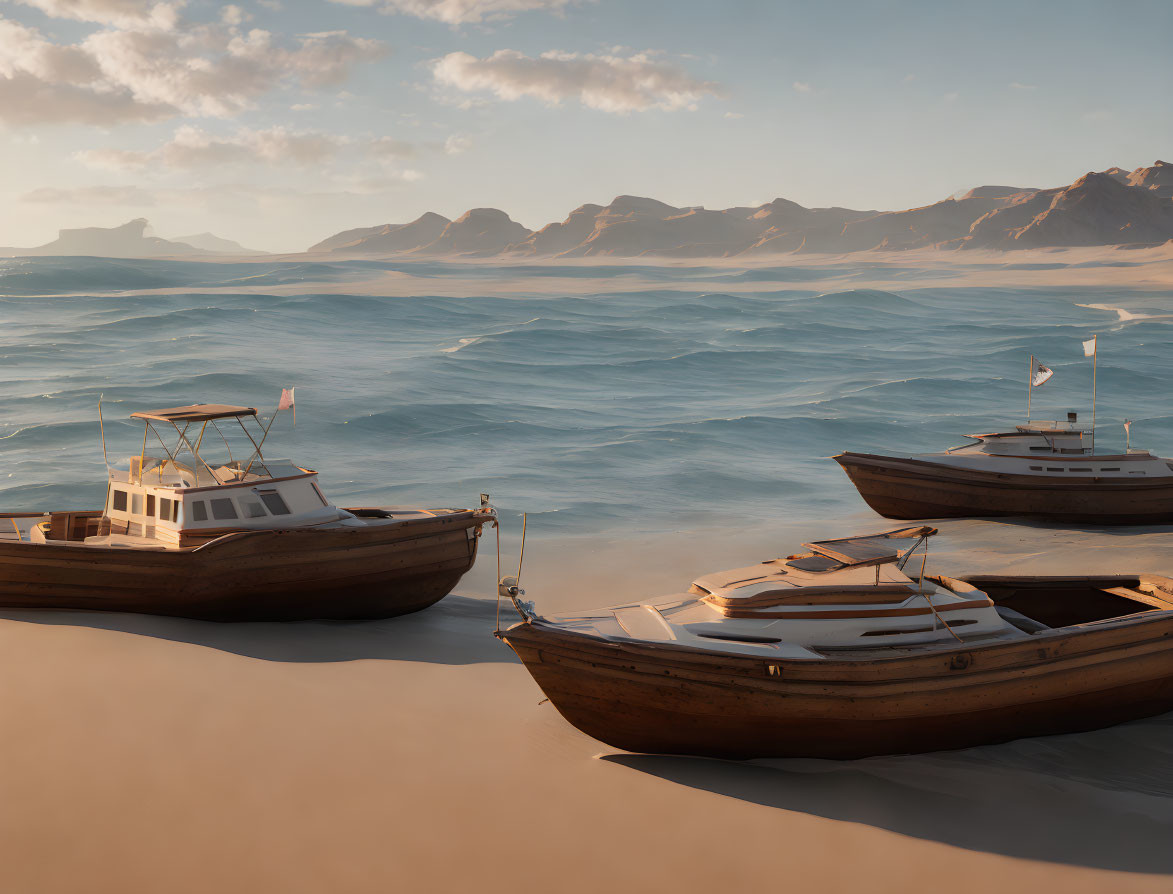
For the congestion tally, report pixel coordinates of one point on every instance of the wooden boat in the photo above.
(1039, 470)
(837, 653)
(245, 540)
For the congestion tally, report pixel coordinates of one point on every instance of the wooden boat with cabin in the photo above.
(839, 653)
(1045, 470)
(251, 540)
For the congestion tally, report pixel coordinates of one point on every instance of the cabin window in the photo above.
(175, 511)
(136, 504)
(1041, 448)
(1109, 469)
(119, 503)
(274, 502)
(164, 508)
(1054, 468)
(319, 493)
(1036, 468)
(199, 510)
(223, 508)
(253, 509)
(151, 505)
(1085, 469)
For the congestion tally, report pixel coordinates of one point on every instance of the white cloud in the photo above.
(802, 87)
(91, 195)
(227, 197)
(391, 148)
(120, 13)
(457, 144)
(608, 82)
(233, 15)
(1017, 86)
(733, 116)
(459, 12)
(192, 147)
(147, 73)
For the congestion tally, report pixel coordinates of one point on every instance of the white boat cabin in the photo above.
(177, 498)
(1050, 449)
(844, 596)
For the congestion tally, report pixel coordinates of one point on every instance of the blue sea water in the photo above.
(640, 398)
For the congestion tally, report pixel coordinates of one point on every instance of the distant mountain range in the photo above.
(1113, 207)
(130, 241)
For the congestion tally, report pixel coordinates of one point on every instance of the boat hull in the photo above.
(656, 698)
(376, 571)
(897, 487)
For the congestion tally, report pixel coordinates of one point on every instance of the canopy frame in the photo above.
(204, 414)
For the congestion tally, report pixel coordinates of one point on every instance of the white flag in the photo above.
(1041, 374)
(1089, 347)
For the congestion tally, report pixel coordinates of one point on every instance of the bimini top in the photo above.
(872, 549)
(195, 413)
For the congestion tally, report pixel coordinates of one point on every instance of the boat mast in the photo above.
(1095, 363)
(1030, 383)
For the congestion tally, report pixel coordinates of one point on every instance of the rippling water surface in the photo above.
(645, 395)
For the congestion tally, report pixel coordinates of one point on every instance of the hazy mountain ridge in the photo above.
(1110, 208)
(1114, 207)
(130, 240)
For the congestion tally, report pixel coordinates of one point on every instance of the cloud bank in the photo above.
(459, 12)
(156, 70)
(610, 83)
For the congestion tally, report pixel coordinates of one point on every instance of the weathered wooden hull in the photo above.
(897, 487)
(376, 571)
(667, 699)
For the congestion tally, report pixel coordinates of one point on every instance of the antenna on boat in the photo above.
(1030, 382)
(521, 555)
(1095, 340)
(102, 429)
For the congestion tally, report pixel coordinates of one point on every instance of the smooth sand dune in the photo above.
(152, 754)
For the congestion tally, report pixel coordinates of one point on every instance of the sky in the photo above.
(277, 123)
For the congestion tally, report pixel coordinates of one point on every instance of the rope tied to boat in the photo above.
(928, 599)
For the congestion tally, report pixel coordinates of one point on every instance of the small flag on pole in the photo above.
(1040, 374)
(286, 402)
(1127, 433)
(1089, 347)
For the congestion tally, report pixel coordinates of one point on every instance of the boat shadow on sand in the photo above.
(456, 630)
(1101, 800)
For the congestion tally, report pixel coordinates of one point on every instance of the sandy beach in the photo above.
(415, 754)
